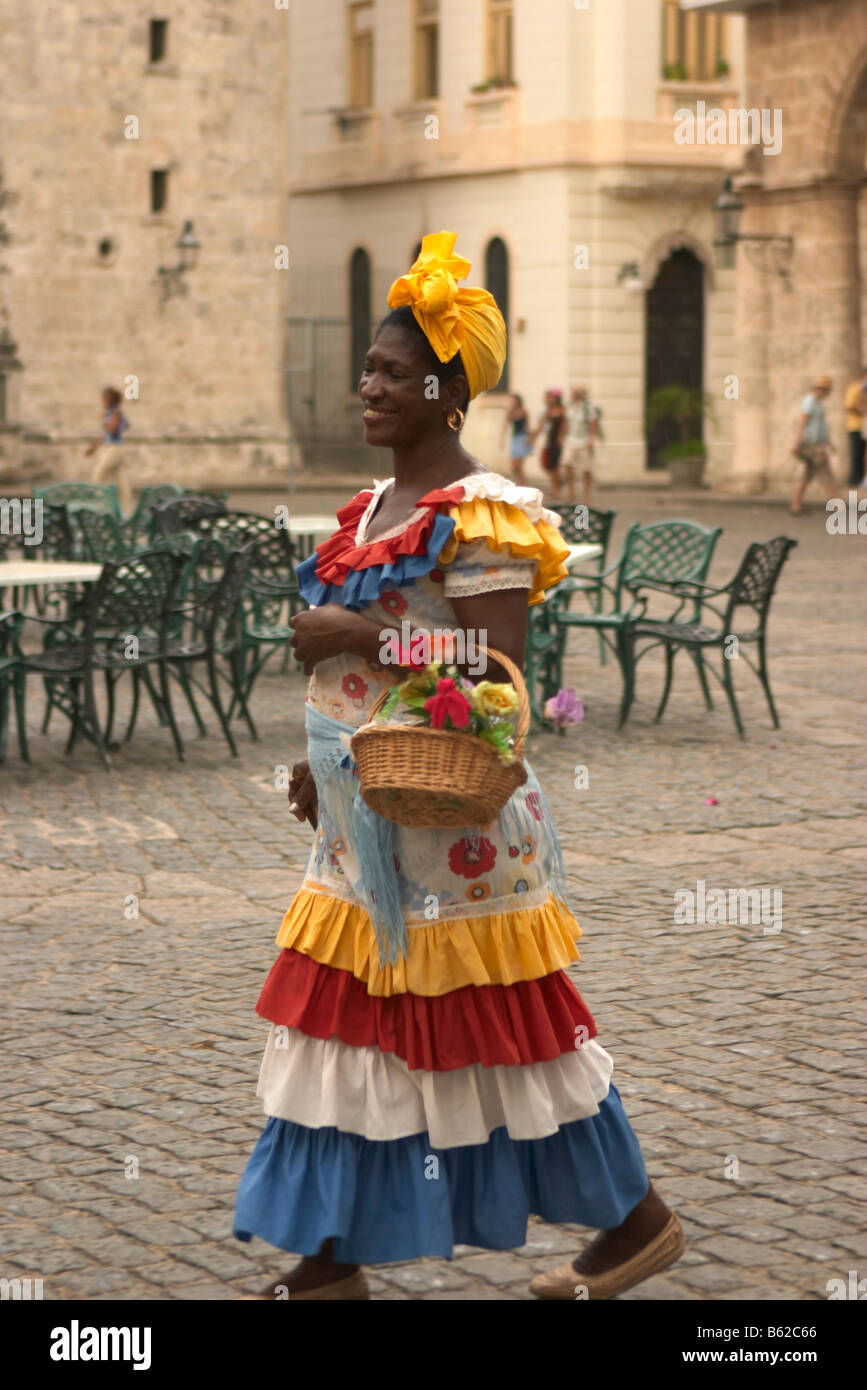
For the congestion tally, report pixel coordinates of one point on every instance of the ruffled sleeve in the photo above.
(522, 540)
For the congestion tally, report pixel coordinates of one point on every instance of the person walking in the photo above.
(812, 447)
(856, 426)
(520, 443)
(581, 440)
(552, 426)
(432, 1075)
(109, 461)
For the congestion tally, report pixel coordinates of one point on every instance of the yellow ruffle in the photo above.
(505, 527)
(496, 949)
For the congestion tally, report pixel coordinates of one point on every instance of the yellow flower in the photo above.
(494, 700)
(423, 683)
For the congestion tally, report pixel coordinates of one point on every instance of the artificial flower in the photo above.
(448, 703)
(564, 708)
(490, 698)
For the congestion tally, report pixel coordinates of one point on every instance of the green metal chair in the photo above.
(581, 525)
(104, 538)
(752, 587)
(123, 629)
(96, 497)
(12, 683)
(664, 550)
(142, 519)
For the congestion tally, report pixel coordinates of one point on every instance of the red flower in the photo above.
(448, 703)
(354, 686)
(404, 658)
(436, 576)
(472, 858)
(393, 603)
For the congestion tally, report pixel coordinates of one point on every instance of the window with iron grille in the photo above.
(158, 39)
(426, 49)
(499, 65)
(693, 45)
(361, 55)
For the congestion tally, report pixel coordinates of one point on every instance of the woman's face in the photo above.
(400, 406)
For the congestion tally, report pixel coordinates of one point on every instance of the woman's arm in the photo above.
(800, 435)
(498, 619)
(321, 633)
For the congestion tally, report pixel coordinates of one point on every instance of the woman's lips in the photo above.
(371, 414)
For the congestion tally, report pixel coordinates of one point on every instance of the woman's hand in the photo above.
(320, 633)
(303, 801)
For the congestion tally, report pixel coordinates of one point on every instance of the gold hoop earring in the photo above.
(455, 420)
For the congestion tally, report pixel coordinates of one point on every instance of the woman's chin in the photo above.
(379, 433)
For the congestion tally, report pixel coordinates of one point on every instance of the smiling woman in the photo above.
(423, 1023)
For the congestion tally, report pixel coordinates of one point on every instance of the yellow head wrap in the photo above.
(453, 320)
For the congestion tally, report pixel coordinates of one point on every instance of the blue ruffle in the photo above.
(364, 586)
(403, 1199)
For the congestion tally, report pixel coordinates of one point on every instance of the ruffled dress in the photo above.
(440, 1097)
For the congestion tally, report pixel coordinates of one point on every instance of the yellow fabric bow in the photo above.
(452, 319)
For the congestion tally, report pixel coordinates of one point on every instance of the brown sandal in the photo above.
(353, 1286)
(567, 1282)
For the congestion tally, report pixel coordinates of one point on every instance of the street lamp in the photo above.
(727, 210)
(188, 247)
(630, 277)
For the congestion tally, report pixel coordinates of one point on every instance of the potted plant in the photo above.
(684, 407)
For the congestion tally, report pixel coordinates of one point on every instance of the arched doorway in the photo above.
(359, 313)
(497, 282)
(674, 340)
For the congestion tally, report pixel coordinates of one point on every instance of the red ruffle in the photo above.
(495, 1025)
(339, 554)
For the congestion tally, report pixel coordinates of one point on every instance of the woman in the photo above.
(432, 1075)
(520, 445)
(554, 424)
(108, 467)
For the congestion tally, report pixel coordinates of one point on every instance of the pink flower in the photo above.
(564, 708)
(711, 801)
(448, 703)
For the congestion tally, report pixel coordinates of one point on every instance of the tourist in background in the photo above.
(581, 439)
(520, 443)
(552, 425)
(856, 421)
(108, 467)
(812, 447)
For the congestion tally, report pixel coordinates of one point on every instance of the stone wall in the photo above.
(203, 370)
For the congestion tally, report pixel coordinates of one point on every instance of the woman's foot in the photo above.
(611, 1248)
(319, 1272)
(648, 1241)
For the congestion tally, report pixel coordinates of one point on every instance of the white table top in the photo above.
(312, 525)
(28, 572)
(579, 553)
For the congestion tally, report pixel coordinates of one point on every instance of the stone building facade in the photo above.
(551, 149)
(807, 58)
(119, 124)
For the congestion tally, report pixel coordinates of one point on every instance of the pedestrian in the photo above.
(432, 1076)
(812, 447)
(520, 444)
(856, 426)
(581, 439)
(109, 461)
(552, 426)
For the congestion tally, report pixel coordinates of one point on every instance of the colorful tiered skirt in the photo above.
(441, 1098)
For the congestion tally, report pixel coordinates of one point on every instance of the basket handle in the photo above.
(518, 682)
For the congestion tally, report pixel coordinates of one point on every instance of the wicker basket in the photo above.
(419, 776)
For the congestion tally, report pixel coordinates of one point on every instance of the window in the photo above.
(159, 32)
(159, 189)
(499, 68)
(693, 45)
(497, 282)
(359, 314)
(361, 55)
(427, 41)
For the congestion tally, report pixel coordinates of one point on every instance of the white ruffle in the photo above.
(328, 1083)
(492, 486)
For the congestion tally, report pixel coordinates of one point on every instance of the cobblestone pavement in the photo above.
(131, 1046)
